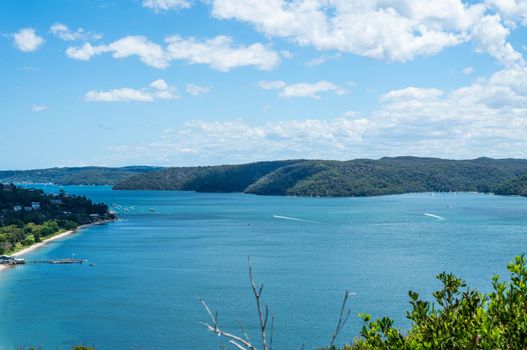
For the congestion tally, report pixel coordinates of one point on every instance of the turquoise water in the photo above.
(150, 267)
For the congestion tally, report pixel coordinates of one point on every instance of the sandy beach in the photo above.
(51, 239)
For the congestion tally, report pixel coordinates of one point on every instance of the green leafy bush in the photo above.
(460, 318)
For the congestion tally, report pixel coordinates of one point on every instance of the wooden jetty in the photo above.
(59, 261)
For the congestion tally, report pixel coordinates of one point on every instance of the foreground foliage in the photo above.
(460, 318)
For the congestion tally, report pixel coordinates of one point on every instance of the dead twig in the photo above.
(240, 343)
(342, 319)
(261, 315)
(244, 343)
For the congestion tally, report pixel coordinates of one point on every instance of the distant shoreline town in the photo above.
(30, 218)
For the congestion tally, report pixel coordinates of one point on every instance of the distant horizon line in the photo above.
(249, 162)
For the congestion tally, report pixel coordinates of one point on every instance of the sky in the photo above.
(205, 82)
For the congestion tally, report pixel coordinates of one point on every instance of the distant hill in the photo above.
(516, 186)
(222, 178)
(74, 176)
(360, 177)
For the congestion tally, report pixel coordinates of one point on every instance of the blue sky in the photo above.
(189, 82)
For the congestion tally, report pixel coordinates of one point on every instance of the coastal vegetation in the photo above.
(360, 177)
(29, 215)
(516, 186)
(221, 178)
(297, 177)
(73, 176)
(457, 317)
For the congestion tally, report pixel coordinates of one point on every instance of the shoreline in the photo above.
(51, 239)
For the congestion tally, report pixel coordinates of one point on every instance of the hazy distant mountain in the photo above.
(74, 176)
(360, 177)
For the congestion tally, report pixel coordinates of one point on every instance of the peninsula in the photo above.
(30, 218)
(328, 178)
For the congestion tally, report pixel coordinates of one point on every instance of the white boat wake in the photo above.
(440, 218)
(292, 219)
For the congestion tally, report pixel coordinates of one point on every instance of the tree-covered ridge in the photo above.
(28, 215)
(221, 178)
(516, 186)
(360, 177)
(73, 176)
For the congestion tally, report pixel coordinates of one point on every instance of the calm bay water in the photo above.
(150, 267)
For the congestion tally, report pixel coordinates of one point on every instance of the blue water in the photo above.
(150, 267)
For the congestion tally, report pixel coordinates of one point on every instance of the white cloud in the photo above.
(157, 90)
(322, 59)
(394, 30)
(39, 108)
(487, 117)
(196, 90)
(218, 52)
(204, 142)
(491, 38)
(27, 40)
(148, 52)
(512, 10)
(85, 52)
(165, 5)
(269, 85)
(159, 84)
(351, 114)
(302, 89)
(62, 32)
(412, 93)
(311, 90)
(118, 95)
(468, 70)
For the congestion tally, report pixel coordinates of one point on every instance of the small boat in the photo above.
(92, 264)
(151, 210)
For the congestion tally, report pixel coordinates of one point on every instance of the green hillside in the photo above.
(222, 178)
(516, 186)
(73, 176)
(360, 177)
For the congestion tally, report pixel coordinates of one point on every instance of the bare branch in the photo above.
(208, 310)
(263, 316)
(214, 328)
(342, 319)
(244, 331)
(257, 295)
(271, 335)
(237, 345)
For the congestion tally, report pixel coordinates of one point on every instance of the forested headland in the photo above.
(360, 177)
(90, 175)
(28, 216)
(298, 177)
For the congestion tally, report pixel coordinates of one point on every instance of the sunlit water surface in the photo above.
(170, 248)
